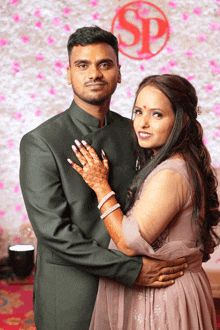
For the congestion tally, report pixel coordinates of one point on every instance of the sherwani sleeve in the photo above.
(54, 226)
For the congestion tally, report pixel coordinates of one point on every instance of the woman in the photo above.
(172, 207)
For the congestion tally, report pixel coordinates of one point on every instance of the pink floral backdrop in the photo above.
(33, 38)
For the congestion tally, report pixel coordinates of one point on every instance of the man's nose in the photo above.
(95, 72)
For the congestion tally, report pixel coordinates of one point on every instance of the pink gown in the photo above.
(185, 305)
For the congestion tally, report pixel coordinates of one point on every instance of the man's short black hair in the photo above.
(91, 35)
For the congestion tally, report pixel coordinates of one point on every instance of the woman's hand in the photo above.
(94, 171)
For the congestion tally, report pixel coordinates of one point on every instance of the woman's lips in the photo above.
(144, 135)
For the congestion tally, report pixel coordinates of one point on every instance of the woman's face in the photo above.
(154, 118)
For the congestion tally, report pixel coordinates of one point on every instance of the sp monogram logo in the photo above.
(142, 30)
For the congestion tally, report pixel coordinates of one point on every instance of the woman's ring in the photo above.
(83, 164)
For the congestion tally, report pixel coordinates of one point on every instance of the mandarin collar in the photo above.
(84, 117)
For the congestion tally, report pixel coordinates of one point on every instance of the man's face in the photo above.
(93, 73)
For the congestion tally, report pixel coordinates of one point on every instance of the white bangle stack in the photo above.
(113, 208)
(111, 193)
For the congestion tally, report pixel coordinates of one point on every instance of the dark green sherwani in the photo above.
(72, 239)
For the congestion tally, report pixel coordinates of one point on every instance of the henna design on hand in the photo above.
(94, 172)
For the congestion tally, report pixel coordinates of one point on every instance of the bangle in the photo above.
(113, 208)
(105, 198)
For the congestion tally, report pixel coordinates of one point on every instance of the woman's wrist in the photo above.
(102, 191)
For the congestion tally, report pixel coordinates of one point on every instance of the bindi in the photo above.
(144, 106)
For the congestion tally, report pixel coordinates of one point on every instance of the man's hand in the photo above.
(160, 273)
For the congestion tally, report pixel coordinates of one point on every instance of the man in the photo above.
(72, 239)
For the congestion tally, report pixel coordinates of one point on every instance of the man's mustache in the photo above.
(95, 81)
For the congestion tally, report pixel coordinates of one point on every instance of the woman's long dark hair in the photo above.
(186, 138)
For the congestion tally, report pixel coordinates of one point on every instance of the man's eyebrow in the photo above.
(99, 62)
(81, 61)
(106, 60)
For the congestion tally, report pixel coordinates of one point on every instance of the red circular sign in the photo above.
(142, 30)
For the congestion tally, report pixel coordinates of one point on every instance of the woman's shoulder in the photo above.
(175, 163)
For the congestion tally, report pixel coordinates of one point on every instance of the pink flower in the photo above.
(1, 230)
(66, 11)
(93, 3)
(185, 16)
(205, 140)
(2, 98)
(144, 12)
(122, 46)
(59, 71)
(96, 16)
(138, 4)
(142, 68)
(197, 11)
(39, 57)
(172, 63)
(128, 92)
(39, 25)
(17, 115)
(17, 18)
(1, 185)
(165, 69)
(17, 240)
(172, 4)
(217, 1)
(37, 113)
(209, 88)
(112, 102)
(25, 39)
(40, 76)
(117, 9)
(219, 258)
(56, 21)
(52, 91)
(66, 65)
(170, 29)
(153, 39)
(219, 11)
(118, 27)
(18, 208)
(33, 96)
(10, 144)
(24, 218)
(202, 37)
(37, 13)
(213, 26)
(66, 28)
(216, 69)
(189, 53)
(2, 213)
(216, 109)
(3, 42)
(15, 67)
(190, 77)
(213, 63)
(217, 133)
(13, 2)
(169, 50)
(58, 64)
(17, 189)
(50, 40)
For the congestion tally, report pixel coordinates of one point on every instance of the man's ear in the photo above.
(69, 75)
(119, 74)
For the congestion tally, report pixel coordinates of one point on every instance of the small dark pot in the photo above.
(21, 259)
